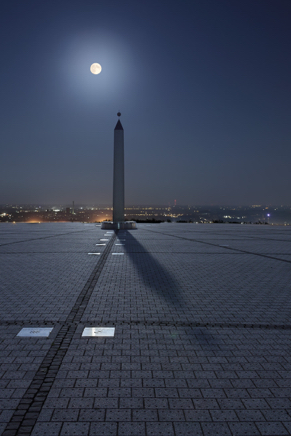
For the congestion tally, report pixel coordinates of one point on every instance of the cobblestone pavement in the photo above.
(202, 317)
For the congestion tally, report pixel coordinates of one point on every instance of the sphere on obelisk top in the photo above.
(118, 114)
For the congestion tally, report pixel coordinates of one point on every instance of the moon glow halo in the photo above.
(95, 68)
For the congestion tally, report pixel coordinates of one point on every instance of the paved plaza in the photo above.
(202, 339)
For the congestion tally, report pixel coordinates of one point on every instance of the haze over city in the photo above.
(203, 89)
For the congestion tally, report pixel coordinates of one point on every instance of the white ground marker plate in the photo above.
(119, 244)
(35, 332)
(104, 239)
(117, 254)
(98, 331)
(100, 244)
(98, 254)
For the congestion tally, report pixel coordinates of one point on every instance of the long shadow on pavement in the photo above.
(153, 274)
(159, 279)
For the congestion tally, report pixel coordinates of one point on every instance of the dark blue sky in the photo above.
(203, 88)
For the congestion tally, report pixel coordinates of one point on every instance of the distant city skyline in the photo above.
(203, 88)
(108, 205)
(256, 214)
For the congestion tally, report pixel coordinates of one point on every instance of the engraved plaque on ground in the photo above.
(98, 331)
(35, 332)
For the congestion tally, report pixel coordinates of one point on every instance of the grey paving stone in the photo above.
(220, 383)
(215, 429)
(277, 415)
(198, 383)
(197, 415)
(176, 403)
(81, 403)
(118, 415)
(84, 383)
(272, 428)
(59, 403)
(279, 403)
(8, 404)
(244, 383)
(187, 429)
(209, 404)
(131, 383)
(280, 392)
(65, 415)
(237, 393)
(91, 415)
(266, 383)
(106, 383)
(45, 415)
(250, 415)
(64, 383)
(223, 415)
(243, 429)
(75, 428)
(95, 392)
(260, 393)
(131, 403)
(159, 429)
(175, 383)
(155, 383)
(131, 429)
(103, 429)
(124, 392)
(47, 429)
(171, 415)
(287, 425)
(259, 403)
(230, 404)
(143, 392)
(68, 392)
(55, 393)
(146, 415)
(6, 393)
(166, 393)
(106, 403)
(213, 393)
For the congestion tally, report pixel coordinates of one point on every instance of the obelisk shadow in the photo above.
(164, 284)
(152, 273)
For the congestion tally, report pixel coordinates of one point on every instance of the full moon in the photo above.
(95, 68)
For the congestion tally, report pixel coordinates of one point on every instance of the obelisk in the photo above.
(118, 222)
(118, 173)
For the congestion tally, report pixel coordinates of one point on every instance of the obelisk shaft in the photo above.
(118, 174)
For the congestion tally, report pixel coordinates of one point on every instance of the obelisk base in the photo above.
(122, 225)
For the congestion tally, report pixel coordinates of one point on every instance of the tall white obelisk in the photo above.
(118, 184)
(118, 173)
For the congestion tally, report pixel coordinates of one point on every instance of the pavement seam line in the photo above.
(166, 323)
(27, 412)
(226, 248)
(43, 237)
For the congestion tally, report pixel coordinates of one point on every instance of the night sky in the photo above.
(203, 88)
